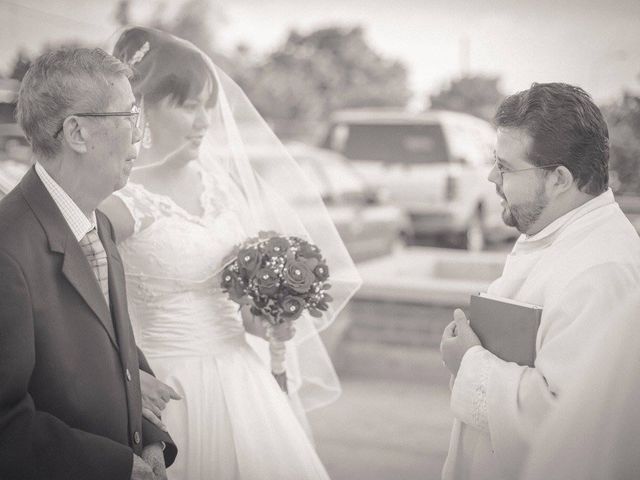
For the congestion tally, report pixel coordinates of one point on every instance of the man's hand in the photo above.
(141, 470)
(155, 396)
(458, 337)
(152, 454)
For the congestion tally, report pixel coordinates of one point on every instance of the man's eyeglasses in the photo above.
(502, 171)
(134, 116)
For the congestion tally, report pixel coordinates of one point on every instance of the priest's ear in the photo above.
(562, 179)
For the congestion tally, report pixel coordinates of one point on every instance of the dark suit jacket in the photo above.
(70, 402)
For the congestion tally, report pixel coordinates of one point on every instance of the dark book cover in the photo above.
(506, 328)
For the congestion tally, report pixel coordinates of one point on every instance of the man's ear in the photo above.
(75, 135)
(562, 179)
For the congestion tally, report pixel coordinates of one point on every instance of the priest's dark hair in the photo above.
(566, 127)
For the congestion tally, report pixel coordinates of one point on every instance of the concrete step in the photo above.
(399, 314)
(395, 336)
(397, 323)
(375, 360)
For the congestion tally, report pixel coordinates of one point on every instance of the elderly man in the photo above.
(70, 400)
(578, 257)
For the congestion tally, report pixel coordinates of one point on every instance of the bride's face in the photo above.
(177, 131)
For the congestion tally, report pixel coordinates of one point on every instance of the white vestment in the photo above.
(579, 269)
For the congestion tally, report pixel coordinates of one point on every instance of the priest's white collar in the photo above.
(548, 233)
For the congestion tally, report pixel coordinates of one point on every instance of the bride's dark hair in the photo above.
(165, 66)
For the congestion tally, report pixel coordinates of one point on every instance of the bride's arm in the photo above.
(119, 216)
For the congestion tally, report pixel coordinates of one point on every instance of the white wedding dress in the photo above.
(233, 421)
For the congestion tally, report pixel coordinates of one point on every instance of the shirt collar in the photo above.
(78, 222)
(549, 233)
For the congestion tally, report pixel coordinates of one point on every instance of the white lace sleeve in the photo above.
(469, 393)
(140, 206)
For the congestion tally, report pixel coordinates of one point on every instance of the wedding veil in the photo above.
(272, 193)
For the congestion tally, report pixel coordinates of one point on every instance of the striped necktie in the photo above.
(97, 258)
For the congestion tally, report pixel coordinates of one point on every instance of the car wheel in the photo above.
(400, 242)
(475, 240)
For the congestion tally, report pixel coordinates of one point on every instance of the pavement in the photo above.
(384, 430)
(393, 420)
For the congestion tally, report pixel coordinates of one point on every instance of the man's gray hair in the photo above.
(62, 82)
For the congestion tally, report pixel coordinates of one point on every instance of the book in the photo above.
(507, 328)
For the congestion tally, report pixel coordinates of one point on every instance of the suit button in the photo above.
(128, 373)
(136, 438)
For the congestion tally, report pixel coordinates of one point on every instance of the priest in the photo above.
(578, 258)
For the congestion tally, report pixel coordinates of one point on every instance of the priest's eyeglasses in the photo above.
(502, 171)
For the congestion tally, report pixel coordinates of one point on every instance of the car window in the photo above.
(11, 173)
(340, 176)
(395, 143)
(314, 176)
(7, 112)
(469, 143)
(262, 164)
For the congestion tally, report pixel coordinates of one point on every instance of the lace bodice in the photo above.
(172, 265)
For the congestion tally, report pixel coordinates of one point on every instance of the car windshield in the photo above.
(393, 143)
(336, 180)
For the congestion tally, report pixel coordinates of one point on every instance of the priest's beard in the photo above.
(525, 214)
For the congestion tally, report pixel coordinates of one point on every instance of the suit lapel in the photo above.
(78, 271)
(117, 291)
(61, 240)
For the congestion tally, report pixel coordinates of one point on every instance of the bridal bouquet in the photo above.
(279, 277)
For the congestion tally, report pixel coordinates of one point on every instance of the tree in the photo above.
(22, 61)
(20, 65)
(477, 95)
(122, 12)
(310, 76)
(623, 120)
(195, 21)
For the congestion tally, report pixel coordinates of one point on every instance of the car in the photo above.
(15, 152)
(630, 205)
(434, 165)
(11, 172)
(368, 227)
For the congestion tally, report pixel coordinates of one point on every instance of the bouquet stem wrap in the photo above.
(278, 350)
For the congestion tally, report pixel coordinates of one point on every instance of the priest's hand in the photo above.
(458, 337)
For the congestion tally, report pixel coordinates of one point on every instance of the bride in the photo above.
(211, 173)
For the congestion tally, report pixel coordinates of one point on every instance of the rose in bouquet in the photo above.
(279, 277)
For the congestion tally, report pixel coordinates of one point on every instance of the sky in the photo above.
(590, 43)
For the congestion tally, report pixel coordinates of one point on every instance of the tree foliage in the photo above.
(310, 76)
(20, 66)
(195, 21)
(22, 60)
(478, 95)
(300, 83)
(623, 120)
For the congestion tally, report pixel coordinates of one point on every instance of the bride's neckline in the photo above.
(202, 198)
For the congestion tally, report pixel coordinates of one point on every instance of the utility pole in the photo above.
(464, 55)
